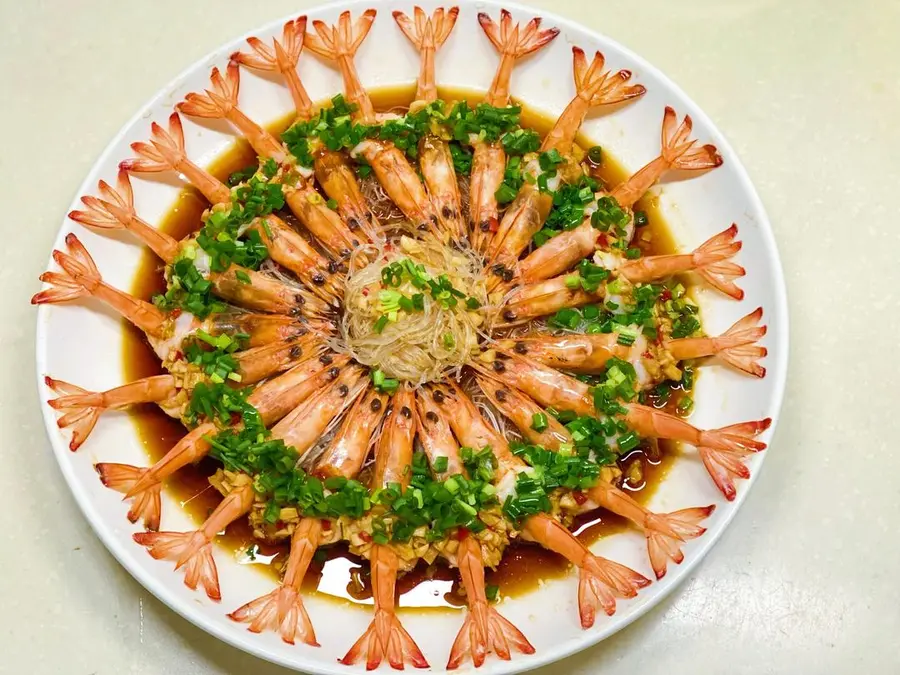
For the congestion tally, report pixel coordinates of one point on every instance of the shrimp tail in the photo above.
(509, 40)
(112, 210)
(600, 581)
(679, 152)
(282, 58)
(79, 278)
(427, 34)
(82, 409)
(737, 345)
(712, 262)
(219, 101)
(343, 39)
(164, 151)
(190, 550)
(484, 629)
(666, 532)
(724, 462)
(602, 87)
(122, 478)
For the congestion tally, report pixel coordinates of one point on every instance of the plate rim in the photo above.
(238, 639)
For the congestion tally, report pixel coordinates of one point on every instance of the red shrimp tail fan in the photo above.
(737, 346)
(164, 151)
(712, 261)
(680, 151)
(189, 550)
(220, 99)
(427, 32)
(600, 582)
(81, 409)
(484, 630)
(662, 546)
(603, 87)
(344, 39)
(509, 38)
(79, 278)
(281, 611)
(284, 53)
(723, 452)
(112, 209)
(385, 638)
(122, 478)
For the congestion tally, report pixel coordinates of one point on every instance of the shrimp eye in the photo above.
(447, 212)
(521, 348)
(501, 395)
(333, 266)
(498, 366)
(296, 351)
(431, 416)
(353, 224)
(485, 225)
(405, 411)
(375, 405)
(438, 396)
(343, 390)
(318, 278)
(326, 359)
(509, 315)
(333, 373)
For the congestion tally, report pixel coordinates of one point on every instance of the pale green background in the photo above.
(808, 93)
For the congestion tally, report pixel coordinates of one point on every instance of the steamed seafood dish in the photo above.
(425, 335)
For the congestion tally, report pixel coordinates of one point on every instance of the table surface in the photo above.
(808, 93)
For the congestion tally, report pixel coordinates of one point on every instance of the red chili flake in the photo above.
(365, 290)
(326, 524)
(665, 295)
(647, 354)
(235, 418)
(462, 533)
(603, 240)
(366, 537)
(179, 355)
(495, 224)
(176, 312)
(579, 497)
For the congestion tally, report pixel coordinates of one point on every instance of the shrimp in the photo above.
(546, 297)
(489, 159)
(80, 278)
(166, 152)
(245, 287)
(665, 532)
(278, 396)
(305, 424)
(304, 201)
(391, 167)
(722, 450)
(600, 580)
(385, 636)
(590, 353)
(262, 329)
(428, 34)
(81, 408)
(193, 550)
(484, 628)
(331, 168)
(526, 215)
(677, 153)
(283, 609)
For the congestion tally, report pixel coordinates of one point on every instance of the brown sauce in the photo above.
(334, 571)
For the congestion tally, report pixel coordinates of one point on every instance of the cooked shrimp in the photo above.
(579, 353)
(526, 215)
(194, 549)
(304, 201)
(283, 609)
(386, 636)
(665, 532)
(262, 329)
(166, 152)
(278, 396)
(546, 297)
(332, 169)
(392, 169)
(428, 34)
(484, 629)
(600, 580)
(489, 159)
(81, 408)
(677, 153)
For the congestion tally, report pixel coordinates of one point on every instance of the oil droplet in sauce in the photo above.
(335, 572)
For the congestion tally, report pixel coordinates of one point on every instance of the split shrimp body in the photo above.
(526, 215)
(665, 532)
(722, 450)
(386, 637)
(484, 629)
(428, 34)
(282, 610)
(601, 581)
(391, 167)
(166, 152)
(244, 287)
(489, 159)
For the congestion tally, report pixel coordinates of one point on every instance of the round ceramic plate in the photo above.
(84, 347)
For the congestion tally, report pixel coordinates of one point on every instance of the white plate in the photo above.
(83, 345)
